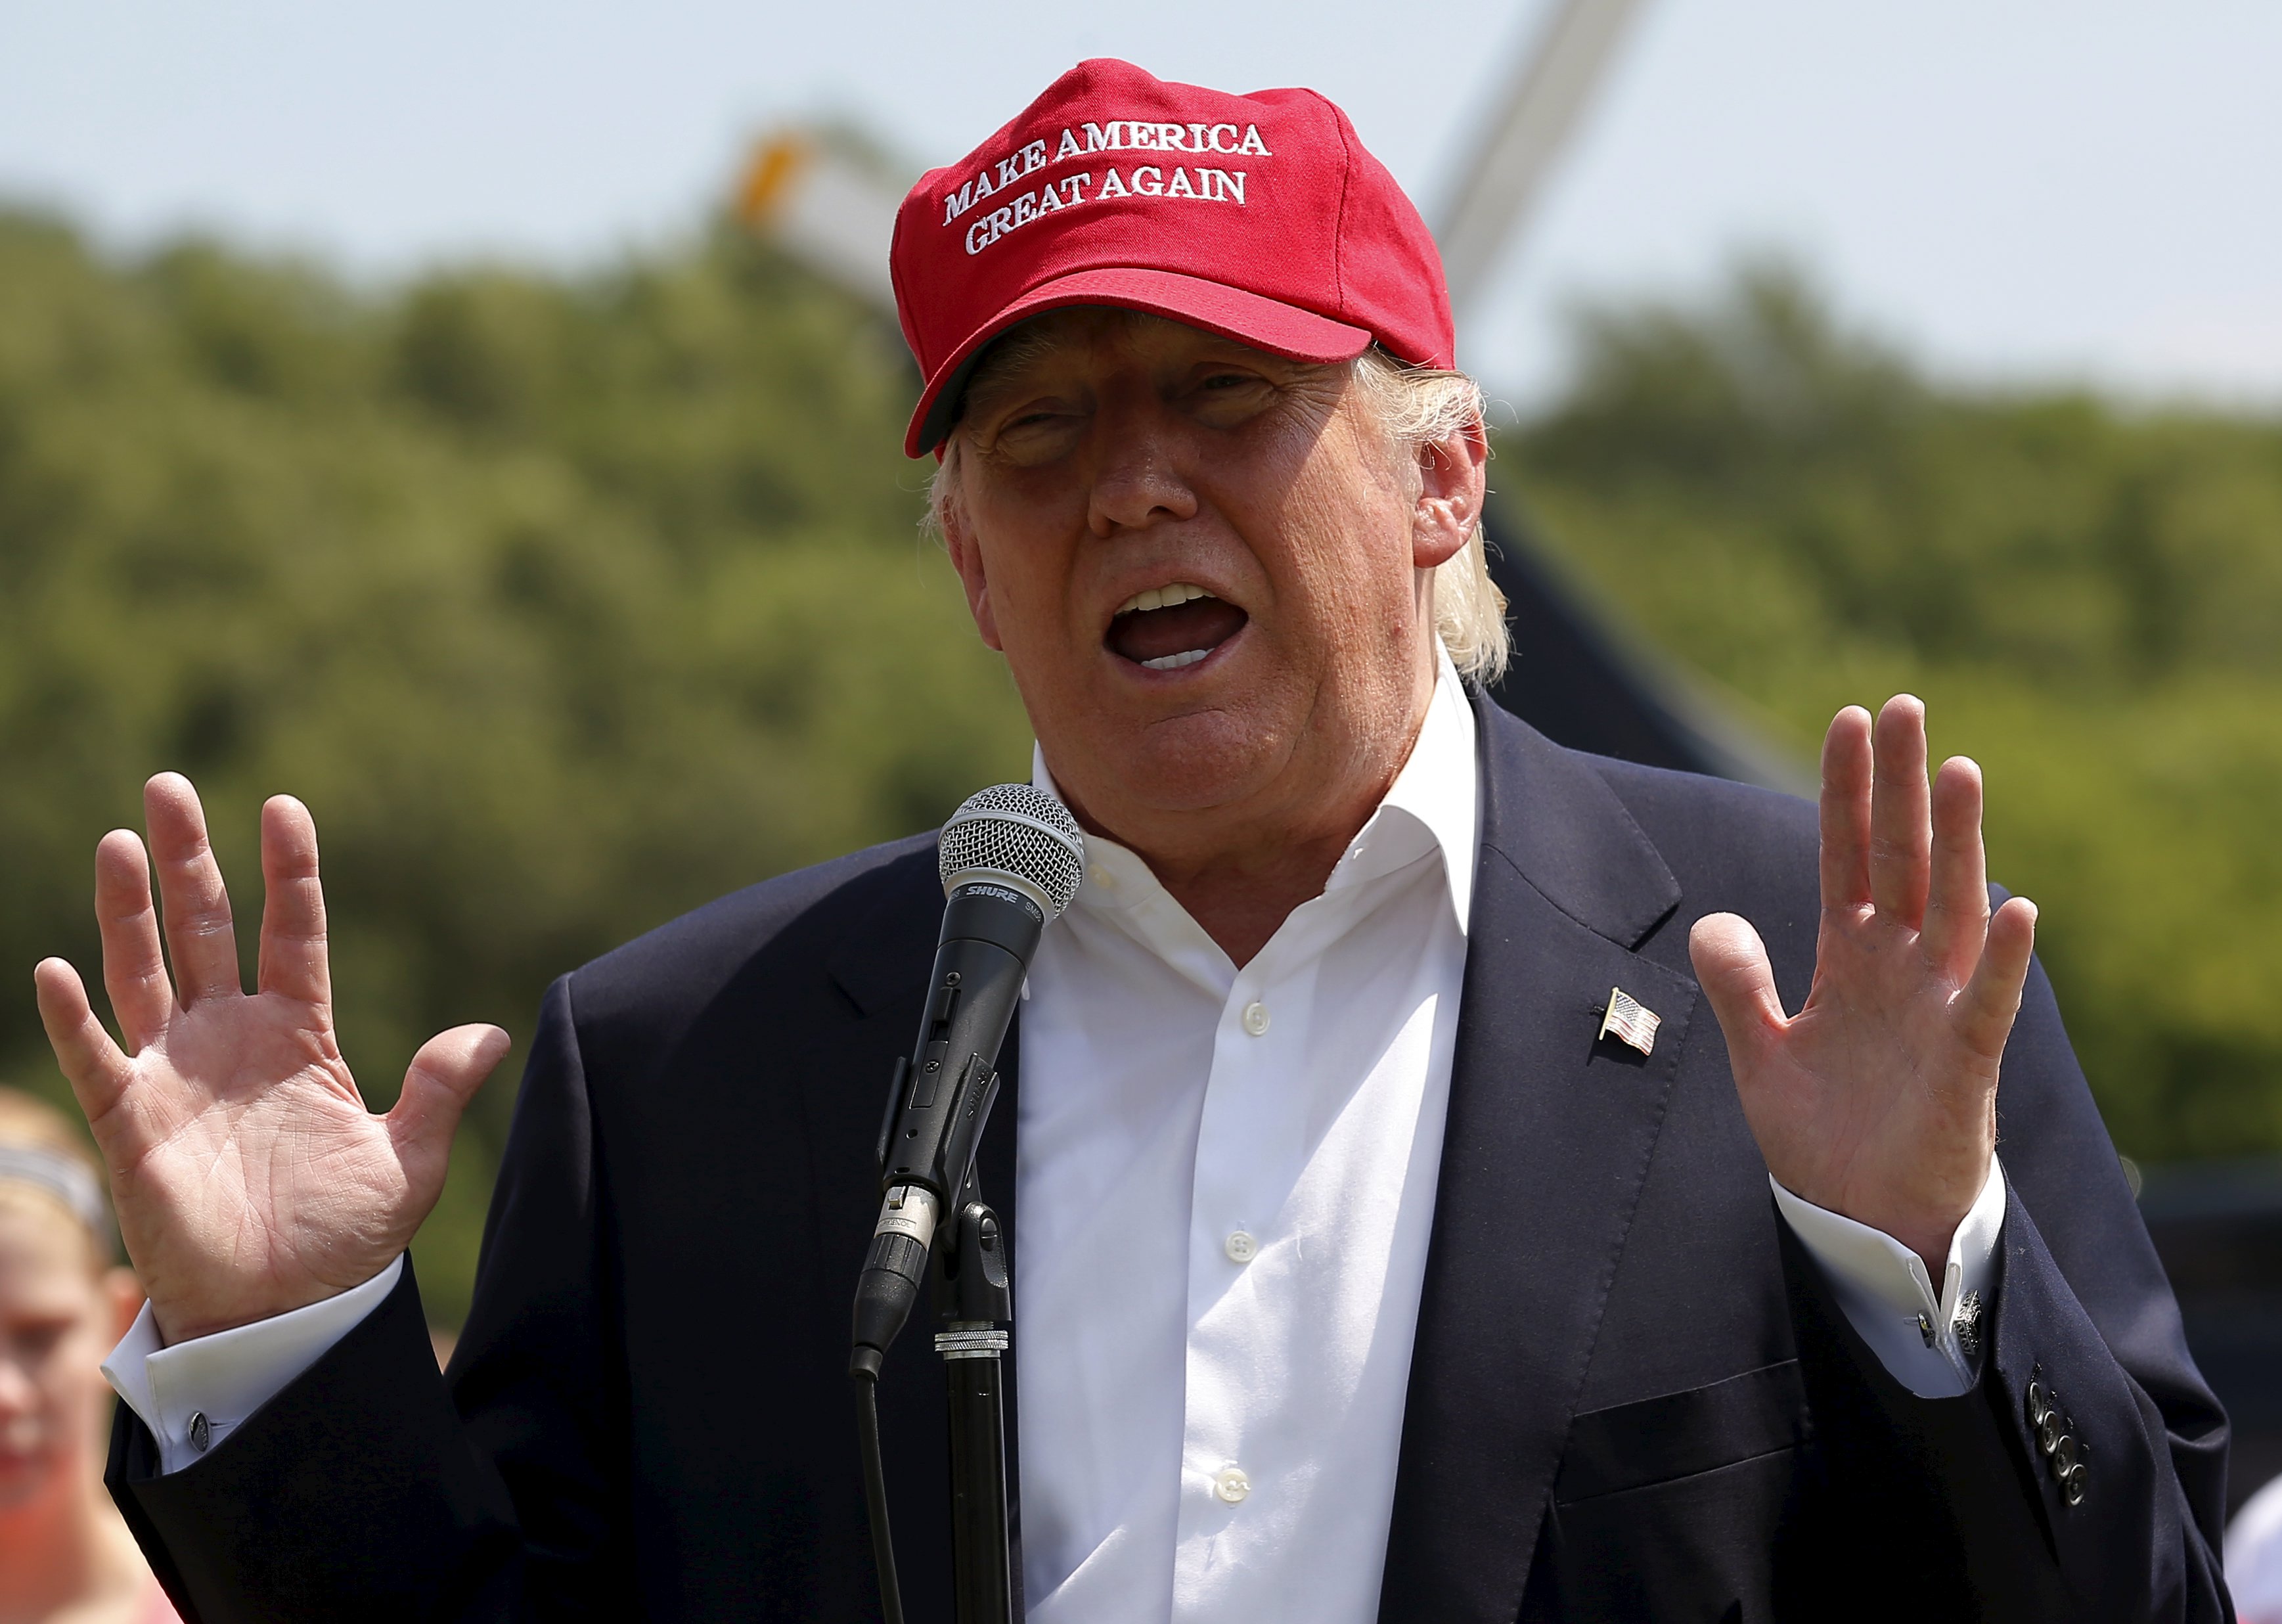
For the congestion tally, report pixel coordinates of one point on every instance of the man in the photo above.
(1393, 1232)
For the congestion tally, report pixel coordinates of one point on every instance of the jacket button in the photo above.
(2076, 1485)
(2064, 1456)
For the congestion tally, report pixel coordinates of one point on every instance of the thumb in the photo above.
(1731, 962)
(441, 1080)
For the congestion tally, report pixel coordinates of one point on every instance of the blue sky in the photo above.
(2017, 189)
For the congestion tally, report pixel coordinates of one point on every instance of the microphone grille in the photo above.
(1018, 834)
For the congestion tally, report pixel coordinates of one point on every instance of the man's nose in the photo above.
(1138, 479)
(18, 1394)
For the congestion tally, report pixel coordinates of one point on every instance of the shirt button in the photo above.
(1255, 1017)
(1231, 1485)
(201, 1431)
(1098, 875)
(1241, 1248)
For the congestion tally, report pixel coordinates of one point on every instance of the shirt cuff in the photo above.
(195, 1393)
(1928, 1342)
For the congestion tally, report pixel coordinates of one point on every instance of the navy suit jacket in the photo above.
(1631, 1396)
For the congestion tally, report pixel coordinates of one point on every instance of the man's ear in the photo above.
(1453, 482)
(967, 558)
(126, 1294)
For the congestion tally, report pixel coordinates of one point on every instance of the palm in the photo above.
(1878, 1098)
(249, 1177)
(252, 1134)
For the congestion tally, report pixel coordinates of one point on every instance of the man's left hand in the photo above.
(1878, 1099)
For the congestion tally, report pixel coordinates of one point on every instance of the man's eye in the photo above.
(1043, 414)
(34, 1342)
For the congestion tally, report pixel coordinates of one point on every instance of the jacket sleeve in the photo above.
(1977, 1492)
(371, 1487)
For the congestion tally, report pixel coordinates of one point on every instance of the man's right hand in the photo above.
(249, 1177)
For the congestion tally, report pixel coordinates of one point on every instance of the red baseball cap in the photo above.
(1258, 217)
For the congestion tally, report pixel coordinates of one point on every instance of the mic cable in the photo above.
(1010, 859)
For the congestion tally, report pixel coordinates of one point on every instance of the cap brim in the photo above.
(1264, 323)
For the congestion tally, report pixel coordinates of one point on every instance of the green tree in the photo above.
(566, 603)
(2089, 597)
(570, 602)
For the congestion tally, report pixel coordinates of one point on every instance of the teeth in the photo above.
(1162, 598)
(1174, 662)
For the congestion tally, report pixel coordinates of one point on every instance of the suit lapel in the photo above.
(1548, 1139)
(883, 973)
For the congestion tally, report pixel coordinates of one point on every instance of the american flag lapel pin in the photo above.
(1630, 1021)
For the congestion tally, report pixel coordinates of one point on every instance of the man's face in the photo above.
(1106, 457)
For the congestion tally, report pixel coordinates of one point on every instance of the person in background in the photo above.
(2253, 1557)
(65, 1555)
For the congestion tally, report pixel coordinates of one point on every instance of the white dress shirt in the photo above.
(1882, 1287)
(1226, 1181)
(195, 1393)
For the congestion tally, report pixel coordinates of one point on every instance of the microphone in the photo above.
(1011, 858)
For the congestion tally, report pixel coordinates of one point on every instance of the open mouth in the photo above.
(1168, 627)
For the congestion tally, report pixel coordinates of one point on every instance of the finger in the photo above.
(1846, 810)
(1957, 901)
(1731, 962)
(97, 1067)
(1901, 817)
(1993, 997)
(199, 933)
(134, 968)
(293, 958)
(443, 1077)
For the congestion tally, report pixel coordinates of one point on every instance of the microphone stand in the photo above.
(974, 1303)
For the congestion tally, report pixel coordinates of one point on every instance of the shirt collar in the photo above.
(1437, 788)
(1433, 804)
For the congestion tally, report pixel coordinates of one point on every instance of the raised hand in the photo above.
(1878, 1099)
(248, 1176)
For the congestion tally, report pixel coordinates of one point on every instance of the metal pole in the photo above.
(979, 1309)
(1553, 83)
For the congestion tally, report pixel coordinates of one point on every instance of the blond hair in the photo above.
(58, 1175)
(1418, 406)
